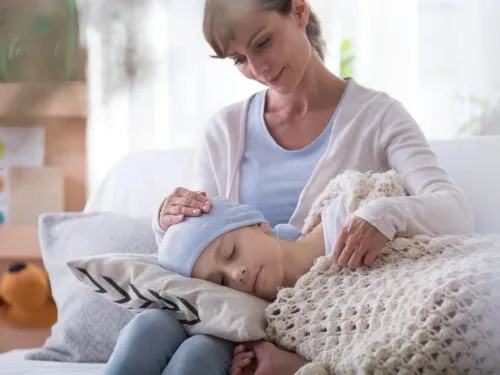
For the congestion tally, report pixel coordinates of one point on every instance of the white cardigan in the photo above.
(372, 131)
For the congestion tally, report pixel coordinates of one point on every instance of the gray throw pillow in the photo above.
(137, 282)
(88, 324)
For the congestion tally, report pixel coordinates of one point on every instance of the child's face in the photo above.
(248, 259)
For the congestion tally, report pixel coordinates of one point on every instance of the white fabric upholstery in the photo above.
(473, 164)
(13, 363)
(87, 328)
(138, 183)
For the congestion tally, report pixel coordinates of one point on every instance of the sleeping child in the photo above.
(427, 305)
(234, 246)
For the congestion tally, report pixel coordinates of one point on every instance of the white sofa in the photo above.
(138, 183)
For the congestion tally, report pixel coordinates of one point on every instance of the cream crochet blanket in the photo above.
(427, 305)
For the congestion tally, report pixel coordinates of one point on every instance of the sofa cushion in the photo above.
(88, 324)
(473, 164)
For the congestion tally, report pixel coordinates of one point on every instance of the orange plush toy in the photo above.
(26, 298)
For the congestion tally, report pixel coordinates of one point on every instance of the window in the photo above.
(440, 58)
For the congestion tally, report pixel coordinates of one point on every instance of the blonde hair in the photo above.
(220, 17)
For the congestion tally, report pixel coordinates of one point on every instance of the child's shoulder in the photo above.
(287, 232)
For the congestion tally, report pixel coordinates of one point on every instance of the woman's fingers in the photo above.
(340, 244)
(347, 251)
(168, 220)
(181, 203)
(358, 244)
(357, 257)
(188, 198)
(182, 210)
(191, 202)
(183, 192)
(370, 256)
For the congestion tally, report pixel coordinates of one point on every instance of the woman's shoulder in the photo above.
(228, 123)
(358, 96)
(230, 116)
(368, 106)
(234, 111)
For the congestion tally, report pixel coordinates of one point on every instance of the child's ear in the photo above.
(265, 227)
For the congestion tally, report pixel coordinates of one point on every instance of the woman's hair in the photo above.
(220, 17)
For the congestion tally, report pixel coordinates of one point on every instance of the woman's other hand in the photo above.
(181, 203)
(358, 244)
(264, 358)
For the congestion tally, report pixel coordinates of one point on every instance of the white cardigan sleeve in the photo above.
(205, 164)
(435, 205)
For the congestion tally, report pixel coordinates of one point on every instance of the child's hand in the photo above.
(242, 358)
(264, 358)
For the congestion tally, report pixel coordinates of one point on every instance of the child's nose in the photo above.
(240, 274)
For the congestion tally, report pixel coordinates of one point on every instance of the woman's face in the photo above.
(273, 49)
(247, 259)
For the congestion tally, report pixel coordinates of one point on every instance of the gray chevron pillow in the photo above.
(88, 324)
(137, 282)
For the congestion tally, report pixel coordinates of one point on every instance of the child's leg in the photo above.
(201, 355)
(146, 344)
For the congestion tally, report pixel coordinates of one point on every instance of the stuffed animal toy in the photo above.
(26, 297)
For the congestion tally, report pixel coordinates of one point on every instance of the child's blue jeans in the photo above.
(154, 343)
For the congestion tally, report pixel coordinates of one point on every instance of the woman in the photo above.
(276, 151)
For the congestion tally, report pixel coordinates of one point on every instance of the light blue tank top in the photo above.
(271, 177)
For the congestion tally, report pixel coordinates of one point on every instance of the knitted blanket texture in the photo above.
(428, 305)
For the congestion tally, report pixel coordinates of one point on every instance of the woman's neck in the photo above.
(318, 89)
(299, 256)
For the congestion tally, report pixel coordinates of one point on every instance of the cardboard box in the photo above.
(34, 191)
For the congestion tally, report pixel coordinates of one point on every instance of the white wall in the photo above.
(423, 52)
(459, 56)
(427, 53)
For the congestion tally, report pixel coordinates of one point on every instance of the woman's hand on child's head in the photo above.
(358, 244)
(181, 203)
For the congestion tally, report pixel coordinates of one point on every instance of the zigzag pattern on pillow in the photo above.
(124, 293)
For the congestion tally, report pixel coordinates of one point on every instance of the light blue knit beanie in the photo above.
(184, 242)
